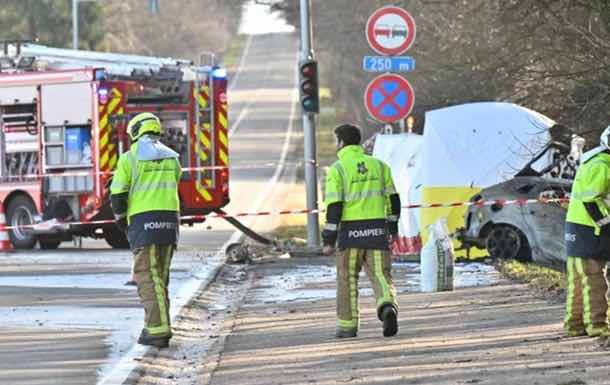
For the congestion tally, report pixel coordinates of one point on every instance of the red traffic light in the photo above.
(308, 69)
(308, 86)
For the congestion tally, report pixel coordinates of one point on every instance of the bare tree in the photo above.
(548, 55)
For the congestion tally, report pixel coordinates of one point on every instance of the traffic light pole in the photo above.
(309, 131)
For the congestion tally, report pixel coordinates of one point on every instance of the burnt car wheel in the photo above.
(507, 242)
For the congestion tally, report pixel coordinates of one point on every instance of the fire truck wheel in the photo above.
(116, 238)
(20, 212)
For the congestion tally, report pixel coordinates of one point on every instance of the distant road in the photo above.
(67, 318)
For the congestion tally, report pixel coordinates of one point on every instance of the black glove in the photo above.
(329, 238)
(393, 228)
(122, 224)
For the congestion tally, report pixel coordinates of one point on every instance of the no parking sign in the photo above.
(389, 98)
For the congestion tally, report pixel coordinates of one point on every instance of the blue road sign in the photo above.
(389, 98)
(153, 5)
(388, 64)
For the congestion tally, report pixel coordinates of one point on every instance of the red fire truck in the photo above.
(63, 115)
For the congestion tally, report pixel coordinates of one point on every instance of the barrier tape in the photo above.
(184, 169)
(480, 203)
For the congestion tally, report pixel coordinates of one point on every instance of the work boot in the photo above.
(575, 332)
(597, 331)
(389, 319)
(603, 341)
(147, 339)
(346, 333)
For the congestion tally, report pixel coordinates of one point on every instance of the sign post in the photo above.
(309, 133)
(390, 31)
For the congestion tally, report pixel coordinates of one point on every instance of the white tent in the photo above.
(464, 148)
(402, 153)
(480, 144)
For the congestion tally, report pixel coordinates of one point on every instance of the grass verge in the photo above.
(325, 139)
(232, 55)
(290, 231)
(542, 279)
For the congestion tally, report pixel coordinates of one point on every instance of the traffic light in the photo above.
(310, 99)
(153, 6)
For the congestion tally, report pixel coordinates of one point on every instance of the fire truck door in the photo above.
(70, 103)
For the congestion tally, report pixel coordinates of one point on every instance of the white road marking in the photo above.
(242, 62)
(245, 110)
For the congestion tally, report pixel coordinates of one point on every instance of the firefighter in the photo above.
(144, 195)
(363, 209)
(587, 239)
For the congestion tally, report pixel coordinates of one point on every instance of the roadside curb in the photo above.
(127, 371)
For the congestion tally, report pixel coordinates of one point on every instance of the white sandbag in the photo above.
(437, 258)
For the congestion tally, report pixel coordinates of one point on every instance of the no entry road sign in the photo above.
(390, 31)
(389, 98)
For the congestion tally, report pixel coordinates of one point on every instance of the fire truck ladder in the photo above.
(25, 55)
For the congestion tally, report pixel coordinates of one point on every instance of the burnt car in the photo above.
(531, 232)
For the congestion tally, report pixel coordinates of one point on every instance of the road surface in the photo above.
(66, 316)
(278, 321)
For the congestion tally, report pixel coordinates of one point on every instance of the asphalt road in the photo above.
(66, 316)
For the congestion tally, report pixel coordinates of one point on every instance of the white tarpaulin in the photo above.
(402, 153)
(464, 148)
(473, 146)
(480, 144)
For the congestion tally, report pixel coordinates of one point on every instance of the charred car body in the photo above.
(526, 232)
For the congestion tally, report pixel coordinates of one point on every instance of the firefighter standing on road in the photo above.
(359, 196)
(587, 239)
(144, 194)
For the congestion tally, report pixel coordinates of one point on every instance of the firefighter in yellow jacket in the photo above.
(362, 212)
(587, 239)
(144, 195)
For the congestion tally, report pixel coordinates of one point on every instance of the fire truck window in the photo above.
(174, 134)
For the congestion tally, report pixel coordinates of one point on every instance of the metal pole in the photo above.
(309, 131)
(74, 24)
(3, 169)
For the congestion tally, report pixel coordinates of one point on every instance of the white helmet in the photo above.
(604, 139)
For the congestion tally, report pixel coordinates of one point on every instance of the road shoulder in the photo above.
(246, 330)
(501, 334)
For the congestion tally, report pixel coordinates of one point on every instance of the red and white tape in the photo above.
(480, 203)
(184, 169)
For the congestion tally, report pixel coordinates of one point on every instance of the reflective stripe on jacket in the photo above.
(591, 184)
(583, 237)
(152, 184)
(363, 184)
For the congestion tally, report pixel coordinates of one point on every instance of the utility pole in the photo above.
(309, 128)
(74, 24)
